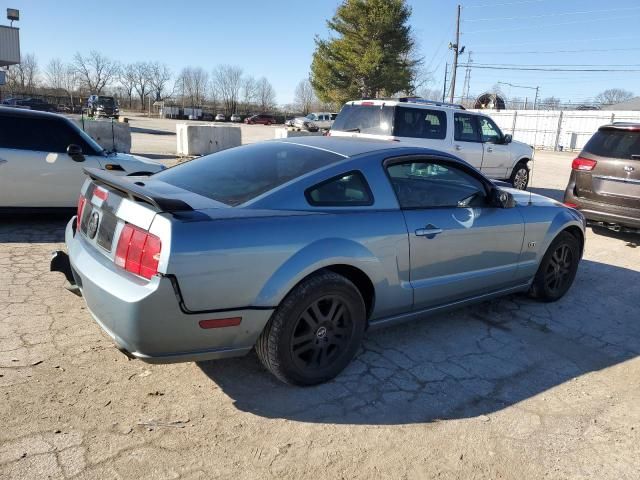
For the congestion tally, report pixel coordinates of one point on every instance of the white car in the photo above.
(236, 118)
(471, 136)
(314, 121)
(43, 157)
(220, 117)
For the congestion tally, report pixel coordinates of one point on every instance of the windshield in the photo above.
(371, 119)
(237, 175)
(106, 101)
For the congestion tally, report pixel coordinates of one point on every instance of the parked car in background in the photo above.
(298, 246)
(102, 106)
(42, 157)
(471, 136)
(605, 178)
(236, 118)
(31, 104)
(220, 118)
(314, 121)
(263, 118)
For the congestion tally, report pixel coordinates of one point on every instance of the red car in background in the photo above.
(263, 118)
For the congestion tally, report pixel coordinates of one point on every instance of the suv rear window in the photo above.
(614, 143)
(240, 174)
(371, 119)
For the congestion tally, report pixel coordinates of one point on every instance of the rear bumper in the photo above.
(144, 318)
(606, 214)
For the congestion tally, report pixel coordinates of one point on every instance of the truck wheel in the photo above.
(520, 176)
(315, 332)
(557, 269)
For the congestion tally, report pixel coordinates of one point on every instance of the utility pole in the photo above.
(444, 85)
(456, 52)
(535, 102)
(467, 79)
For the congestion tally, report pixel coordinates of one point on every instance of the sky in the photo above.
(275, 38)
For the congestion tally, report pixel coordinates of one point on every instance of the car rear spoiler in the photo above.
(136, 190)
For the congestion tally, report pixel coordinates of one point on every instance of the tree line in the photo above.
(226, 88)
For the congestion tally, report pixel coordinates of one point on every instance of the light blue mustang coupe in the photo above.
(297, 247)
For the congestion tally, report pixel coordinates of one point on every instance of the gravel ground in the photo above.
(508, 389)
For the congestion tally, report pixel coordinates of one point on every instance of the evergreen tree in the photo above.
(370, 55)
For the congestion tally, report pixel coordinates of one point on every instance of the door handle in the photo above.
(458, 147)
(429, 231)
(489, 149)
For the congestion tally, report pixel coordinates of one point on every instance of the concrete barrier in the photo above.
(286, 133)
(109, 135)
(205, 139)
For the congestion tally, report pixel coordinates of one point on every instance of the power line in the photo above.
(569, 40)
(548, 15)
(582, 50)
(564, 65)
(558, 24)
(505, 4)
(490, 67)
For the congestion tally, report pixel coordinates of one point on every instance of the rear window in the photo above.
(615, 144)
(240, 174)
(371, 119)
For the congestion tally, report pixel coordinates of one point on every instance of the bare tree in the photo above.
(227, 80)
(193, 84)
(55, 74)
(141, 80)
(266, 95)
(24, 76)
(613, 95)
(95, 71)
(248, 92)
(127, 79)
(160, 76)
(550, 103)
(304, 97)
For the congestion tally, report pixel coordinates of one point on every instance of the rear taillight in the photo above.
(138, 251)
(81, 203)
(583, 164)
(570, 205)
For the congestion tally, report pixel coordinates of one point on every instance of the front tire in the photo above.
(557, 269)
(315, 332)
(520, 176)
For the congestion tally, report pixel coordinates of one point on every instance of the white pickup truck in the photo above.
(450, 128)
(315, 121)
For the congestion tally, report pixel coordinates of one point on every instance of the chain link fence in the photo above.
(564, 130)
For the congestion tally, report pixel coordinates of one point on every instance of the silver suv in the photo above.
(450, 128)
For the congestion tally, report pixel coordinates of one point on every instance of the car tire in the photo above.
(315, 332)
(520, 176)
(557, 269)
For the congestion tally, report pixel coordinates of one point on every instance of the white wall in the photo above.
(556, 130)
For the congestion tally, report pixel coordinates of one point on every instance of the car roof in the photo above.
(24, 112)
(407, 102)
(352, 146)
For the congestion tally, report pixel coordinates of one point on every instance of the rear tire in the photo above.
(520, 176)
(557, 269)
(315, 332)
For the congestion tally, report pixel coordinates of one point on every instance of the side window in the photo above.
(466, 128)
(420, 123)
(426, 184)
(39, 134)
(490, 132)
(345, 190)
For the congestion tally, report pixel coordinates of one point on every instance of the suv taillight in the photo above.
(138, 251)
(583, 164)
(81, 203)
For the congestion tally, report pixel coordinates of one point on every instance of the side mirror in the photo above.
(75, 152)
(502, 199)
(508, 139)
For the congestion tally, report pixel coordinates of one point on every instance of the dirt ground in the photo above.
(510, 389)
